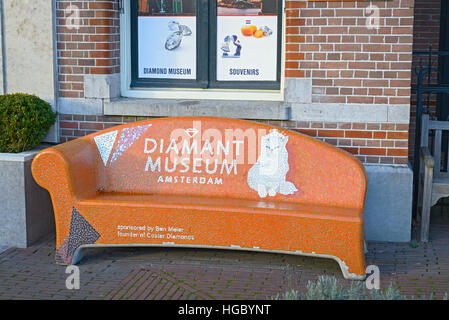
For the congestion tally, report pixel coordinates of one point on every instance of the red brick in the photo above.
(358, 134)
(331, 133)
(373, 151)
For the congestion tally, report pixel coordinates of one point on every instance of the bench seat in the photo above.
(313, 207)
(225, 204)
(237, 224)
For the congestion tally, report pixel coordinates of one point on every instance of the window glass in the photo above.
(229, 44)
(247, 40)
(167, 42)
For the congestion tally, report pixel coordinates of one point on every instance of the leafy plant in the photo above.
(24, 121)
(328, 288)
(431, 297)
(414, 244)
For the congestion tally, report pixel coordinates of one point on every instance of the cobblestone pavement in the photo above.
(172, 273)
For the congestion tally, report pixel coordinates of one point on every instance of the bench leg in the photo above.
(427, 204)
(354, 271)
(358, 272)
(419, 201)
(352, 263)
(350, 276)
(77, 256)
(81, 233)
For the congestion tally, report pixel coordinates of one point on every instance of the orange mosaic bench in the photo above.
(206, 183)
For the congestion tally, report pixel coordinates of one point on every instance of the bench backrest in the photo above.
(432, 136)
(216, 157)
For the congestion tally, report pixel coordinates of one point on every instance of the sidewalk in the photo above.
(172, 273)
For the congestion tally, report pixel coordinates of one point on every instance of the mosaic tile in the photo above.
(81, 232)
(61, 253)
(268, 175)
(127, 139)
(105, 143)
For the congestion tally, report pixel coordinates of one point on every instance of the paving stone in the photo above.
(175, 273)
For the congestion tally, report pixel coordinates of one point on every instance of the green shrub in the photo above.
(24, 121)
(328, 288)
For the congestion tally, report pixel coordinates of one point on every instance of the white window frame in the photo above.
(186, 93)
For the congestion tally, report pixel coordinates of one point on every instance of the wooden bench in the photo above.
(434, 175)
(209, 183)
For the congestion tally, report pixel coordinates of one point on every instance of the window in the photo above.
(206, 44)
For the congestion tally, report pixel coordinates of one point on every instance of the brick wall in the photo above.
(350, 63)
(93, 48)
(327, 42)
(376, 143)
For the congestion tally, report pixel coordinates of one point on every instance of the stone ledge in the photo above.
(23, 156)
(258, 110)
(351, 112)
(261, 110)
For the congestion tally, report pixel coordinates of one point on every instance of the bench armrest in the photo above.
(429, 161)
(70, 166)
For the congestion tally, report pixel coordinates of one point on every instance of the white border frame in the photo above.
(185, 93)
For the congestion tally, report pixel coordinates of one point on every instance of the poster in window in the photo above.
(167, 39)
(247, 40)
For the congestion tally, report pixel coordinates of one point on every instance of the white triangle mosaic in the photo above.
(105, 143)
